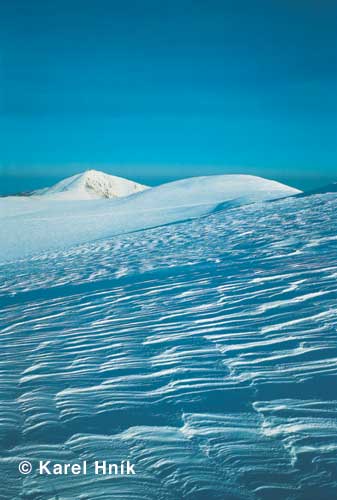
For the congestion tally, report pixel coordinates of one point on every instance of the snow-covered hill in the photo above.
(90, 185)
(33, 225)
(211, 190)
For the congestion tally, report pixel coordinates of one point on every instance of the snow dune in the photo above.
(32, 225)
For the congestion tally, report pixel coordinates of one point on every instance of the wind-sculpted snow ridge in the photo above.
(29, 226)
(90, 185)
(205, 352)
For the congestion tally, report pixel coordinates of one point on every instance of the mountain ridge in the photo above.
(325, 189)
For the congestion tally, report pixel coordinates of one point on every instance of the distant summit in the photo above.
(90, 185)
(329, 188)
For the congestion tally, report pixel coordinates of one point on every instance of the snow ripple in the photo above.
(203, 351)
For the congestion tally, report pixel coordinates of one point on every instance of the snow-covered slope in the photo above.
(203, 352)
(90, 185)
(33, 225)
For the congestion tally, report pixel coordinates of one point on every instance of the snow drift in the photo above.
(204, 352)
(31, 225)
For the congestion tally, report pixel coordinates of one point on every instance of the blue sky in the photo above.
(169, 89)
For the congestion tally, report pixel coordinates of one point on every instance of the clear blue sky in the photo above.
(169, 88)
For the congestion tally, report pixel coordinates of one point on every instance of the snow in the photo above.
(91, 185)
(32, 225)
(203, 351)
(212, 190)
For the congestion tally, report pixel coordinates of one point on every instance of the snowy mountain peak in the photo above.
(91, 184)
